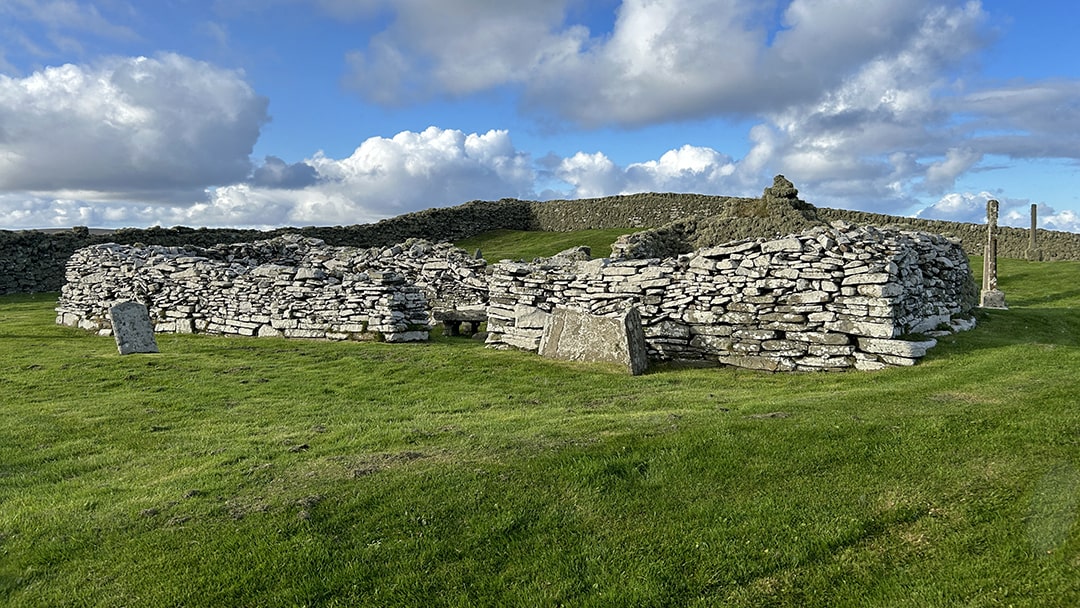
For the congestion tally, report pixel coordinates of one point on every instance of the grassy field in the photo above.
(266, 472)
(515, 244)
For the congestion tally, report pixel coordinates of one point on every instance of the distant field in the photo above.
(267, 472)
(515, 244)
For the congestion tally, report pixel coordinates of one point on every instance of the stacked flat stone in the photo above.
(833, 297)
(289, 286)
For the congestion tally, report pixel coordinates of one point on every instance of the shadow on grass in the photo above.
(1021, 325)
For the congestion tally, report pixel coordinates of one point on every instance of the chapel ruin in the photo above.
(823, 297)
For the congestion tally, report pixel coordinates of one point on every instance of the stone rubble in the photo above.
(830, 298)
(289, 286)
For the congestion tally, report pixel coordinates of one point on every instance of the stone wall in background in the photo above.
(1012, 242)
(290, 286)
(34, 261)
(829, 298)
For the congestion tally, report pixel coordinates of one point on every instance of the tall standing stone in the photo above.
(132, 328)
(1033, 252)
(991, 296)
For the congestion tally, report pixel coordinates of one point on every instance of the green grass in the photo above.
(267, 472)
(515, 244)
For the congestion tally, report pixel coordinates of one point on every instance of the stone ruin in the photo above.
(290, 286)
(826, 298)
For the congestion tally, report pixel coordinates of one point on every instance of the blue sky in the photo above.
(268, 113)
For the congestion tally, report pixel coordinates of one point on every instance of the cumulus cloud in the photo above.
(971, 208)
(161, 128)
(687, 169)
(883, 135)
(662, 61)
(382, 178)
(857, 102)
(458, 48)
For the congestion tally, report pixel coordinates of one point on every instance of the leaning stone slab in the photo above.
(132, 328)
(573, 335)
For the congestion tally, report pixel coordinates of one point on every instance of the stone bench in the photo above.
(453, 318)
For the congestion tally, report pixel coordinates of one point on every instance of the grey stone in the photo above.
(897, 348)
(530, 317)
(574, 335)
(132, 328)
(992, 298)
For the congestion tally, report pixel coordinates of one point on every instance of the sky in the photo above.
(270, 113)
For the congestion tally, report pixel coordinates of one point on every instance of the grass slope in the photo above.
(515, 244)
(266, 472)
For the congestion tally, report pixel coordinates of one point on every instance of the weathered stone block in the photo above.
(898, 348)
(768, 364)
(786, 245)
(866, 278)
(574, 335)
(863, 328)
(992, 298)
(132, 329)
(530, 317)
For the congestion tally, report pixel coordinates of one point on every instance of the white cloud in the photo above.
(858, 102)
(162, 128)
(662, 61)
(971, 208)
(877, 138)
(942, 175)
(383, 177)
(687, 169)
(958, 207)
(457, 47)
(433, 168)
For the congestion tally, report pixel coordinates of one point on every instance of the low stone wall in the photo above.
(830, 298)
(643, 210)
(1012, 242)
(290, 286)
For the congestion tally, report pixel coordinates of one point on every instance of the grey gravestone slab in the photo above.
(574, 335)
(132, 328)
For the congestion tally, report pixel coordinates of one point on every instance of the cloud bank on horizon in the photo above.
(881, 106)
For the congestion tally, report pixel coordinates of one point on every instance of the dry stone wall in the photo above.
(289, 286)
(831, 298)
(1012, 242)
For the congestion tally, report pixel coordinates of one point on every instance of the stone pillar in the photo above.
(991, 296)
(1034, 253)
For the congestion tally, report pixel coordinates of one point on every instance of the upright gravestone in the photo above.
(132, 328)
(1034, 253)
(991, 296)
(573, 335)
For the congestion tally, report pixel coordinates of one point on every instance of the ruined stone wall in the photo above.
(830, 298)
(1012, 242)
(644, 210)
(289, 286)
(33, 262)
